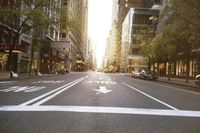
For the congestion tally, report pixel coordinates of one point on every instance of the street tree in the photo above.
(146, 36)
(30, 14)
(183, 27)
(165, 50)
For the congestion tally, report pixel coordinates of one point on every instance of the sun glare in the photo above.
(99, 24)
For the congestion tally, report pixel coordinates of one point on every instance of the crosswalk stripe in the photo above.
(103, 110)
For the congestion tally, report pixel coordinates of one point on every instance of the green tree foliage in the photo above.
(26, 15)
(182, 28)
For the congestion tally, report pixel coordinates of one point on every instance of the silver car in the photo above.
(135, 74)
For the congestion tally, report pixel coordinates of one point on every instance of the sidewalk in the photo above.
(178, 81)
(6, 76)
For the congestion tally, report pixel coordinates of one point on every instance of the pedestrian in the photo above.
(11, 74)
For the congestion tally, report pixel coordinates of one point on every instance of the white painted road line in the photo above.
(150, 97)
(58, 92)
(179, 89)
(103, 110)
(48, 93)
(175, 88)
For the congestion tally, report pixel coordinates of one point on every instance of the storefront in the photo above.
(3, 61)
(4, 53)
(137, 63)
(45, 59)
(80, 66)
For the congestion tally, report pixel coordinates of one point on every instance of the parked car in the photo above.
(63, 71)
(149, 75)
(197, 80)
(135, 74)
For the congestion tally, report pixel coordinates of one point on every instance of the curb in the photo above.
(176, 83)
(24, 77)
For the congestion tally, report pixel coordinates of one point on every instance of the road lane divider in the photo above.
(103, 110)
(51, 92)
(150, 97)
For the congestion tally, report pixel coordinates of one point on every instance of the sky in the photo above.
(99, 25)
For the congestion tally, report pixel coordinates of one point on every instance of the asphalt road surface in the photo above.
(92, 102)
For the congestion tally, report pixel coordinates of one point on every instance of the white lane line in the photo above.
(57, 93)
(48, 93)
(192, 92)
(150, 97)
(105, 110)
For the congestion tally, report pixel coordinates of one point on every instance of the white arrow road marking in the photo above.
(150, 97)
(102, 89)
(104, 110)
(52, 93)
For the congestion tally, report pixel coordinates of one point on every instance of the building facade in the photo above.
(62, 45)
(74, 29)
(136, 27)
(123, 8)
(14, 48)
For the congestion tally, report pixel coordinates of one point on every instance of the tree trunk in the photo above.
(158, 68)
(187, 68)
(198, 69)
(169, 71)
(149, 62)
(165, 71)
(10, 66)
(188, 56)
(31, 62)
(174, 68)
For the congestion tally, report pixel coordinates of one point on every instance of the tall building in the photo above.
(136, 26)
(111, 47)
(13, 45)
(89, 55)
(124, 6)
(78, 32)
(63, 44)
(49, 58)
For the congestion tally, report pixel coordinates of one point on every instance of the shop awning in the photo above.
(15, 48)
(80, 62)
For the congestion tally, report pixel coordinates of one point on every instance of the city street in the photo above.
(95, 102)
